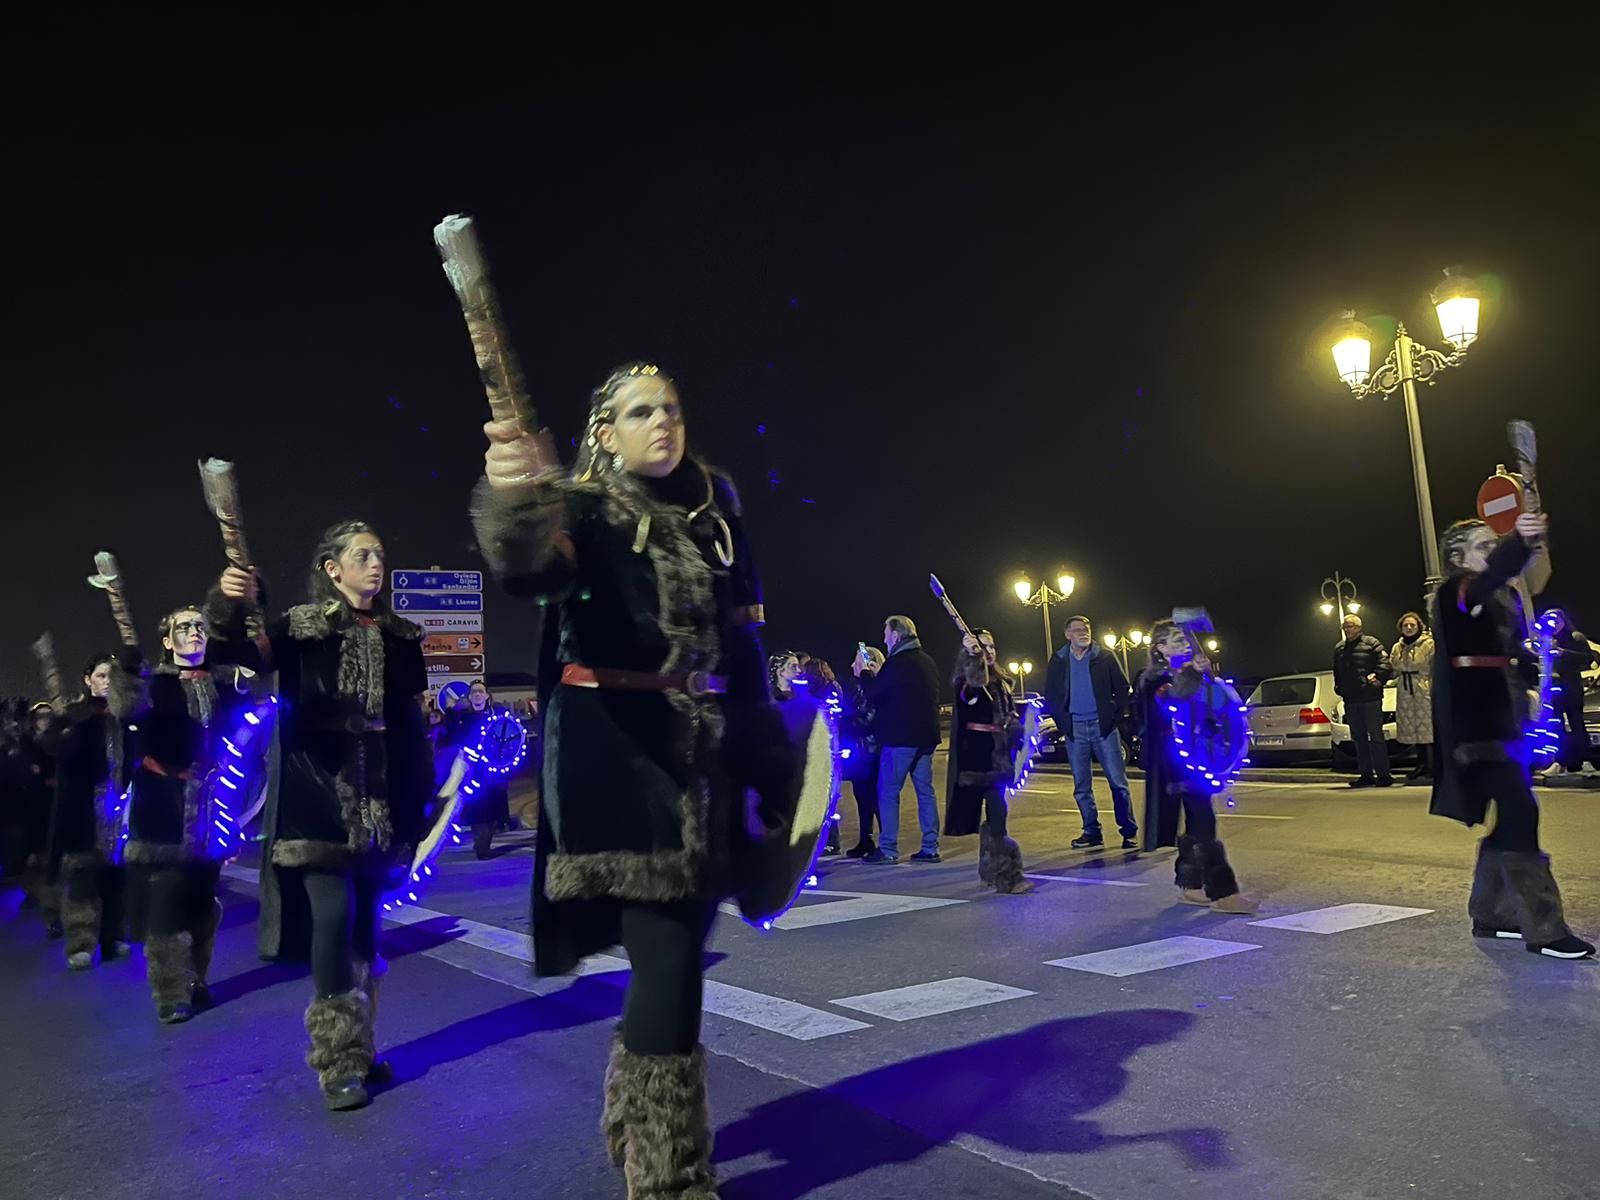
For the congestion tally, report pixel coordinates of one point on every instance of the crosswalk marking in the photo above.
(1341, 917)
(854, 906)
(1084, 879)
(1151, 956)
(772, 1013)
(931, 999)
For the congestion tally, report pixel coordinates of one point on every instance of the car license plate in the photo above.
(1270, 740)
(1594, 737)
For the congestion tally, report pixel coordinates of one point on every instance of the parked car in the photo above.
(1291, 718)
(1591, 717)
(1344, 748)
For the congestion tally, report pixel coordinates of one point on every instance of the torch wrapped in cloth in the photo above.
(468, 273)
(108, 578)
(222, 498)
(44, 650)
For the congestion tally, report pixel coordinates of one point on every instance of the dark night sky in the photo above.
(995, 308)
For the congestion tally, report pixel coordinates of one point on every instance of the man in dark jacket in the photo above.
(1573, 656)
(1087, 694)
(905, 703)
(1360, 669)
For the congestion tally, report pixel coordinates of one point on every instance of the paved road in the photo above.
(903, 1033)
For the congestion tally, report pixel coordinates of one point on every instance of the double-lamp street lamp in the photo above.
(1043, 598)
(1334, 588)
(1121, 645)
(1457, 301)
(1020, 672)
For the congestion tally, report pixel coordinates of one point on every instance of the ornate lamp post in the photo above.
(1043, 598)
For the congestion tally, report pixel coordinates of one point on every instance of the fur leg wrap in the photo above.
(169, 967)
(80, 919)
(340, 1028)
(205, 941)
(1218, 876)
(1535, 895)
(667, 1151)
(37, 886)
(1490, 905)
(986, 842)
(1008, 867)
(1189, 875)
(614, 1116)
(367, 985)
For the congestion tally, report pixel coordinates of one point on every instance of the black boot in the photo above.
(667, 1145)
(1543, 923)
(1221, 884)
(1187, 872)
(1491, 907)
(862, 848)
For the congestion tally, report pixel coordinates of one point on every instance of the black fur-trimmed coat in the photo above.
(98, 753)
(981, 761)
(643, 795)
(356, 771)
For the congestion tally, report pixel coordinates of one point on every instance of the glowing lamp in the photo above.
(1065, 584)
(1353, 607)
(1327, 610)
(1013, 667)
(1212, 644)
(1110, 640)
(1136, 637)
(1027, 668)
(1457, 302)
(1023, 589)
(1352, 352)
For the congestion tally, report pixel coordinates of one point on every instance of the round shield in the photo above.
(502, 742)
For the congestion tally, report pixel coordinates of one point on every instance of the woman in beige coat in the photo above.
(1412, 660)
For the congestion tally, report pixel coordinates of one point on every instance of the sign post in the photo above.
(448, 607)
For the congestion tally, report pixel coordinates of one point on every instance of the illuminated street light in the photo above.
(1458, 302)
(1120, 645)
(1335, 599)
(1043, 599)
(1213, 645)
(1021, 671)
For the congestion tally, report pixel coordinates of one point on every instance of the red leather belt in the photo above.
(155, 768)
(690, 683)
(974, 727)
(1481, 660)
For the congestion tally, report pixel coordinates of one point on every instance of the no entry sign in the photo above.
(1500, 502)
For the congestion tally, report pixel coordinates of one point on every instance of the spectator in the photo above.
(1360, 669)
(905, 697)
(1087, 694)
(1573, 656)
(860, 747)
(1412, 660)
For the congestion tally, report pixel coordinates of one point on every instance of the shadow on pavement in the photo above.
(1067, 1068)
(224, 991)
(587, 1000)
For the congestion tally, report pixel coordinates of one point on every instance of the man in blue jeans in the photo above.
(905, 703)
(1087, 693)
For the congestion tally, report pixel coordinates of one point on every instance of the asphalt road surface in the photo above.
(902, 1033)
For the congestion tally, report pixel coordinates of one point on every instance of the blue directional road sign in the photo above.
(410, 602)
(436, 581)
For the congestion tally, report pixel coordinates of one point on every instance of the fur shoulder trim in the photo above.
(313, 622)
(308, 622)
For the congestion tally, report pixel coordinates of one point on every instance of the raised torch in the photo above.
(44, 649)
(468, 272)
(108, 578)
(221, 487)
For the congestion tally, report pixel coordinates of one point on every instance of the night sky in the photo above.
(1001, 302)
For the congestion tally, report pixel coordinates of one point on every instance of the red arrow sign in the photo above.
(1500, 502)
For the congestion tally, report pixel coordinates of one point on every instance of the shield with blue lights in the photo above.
(501, 741)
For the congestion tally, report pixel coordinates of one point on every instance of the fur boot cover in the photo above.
(1189, 875)
(340, 1028)
(1537, 898)
(1490, 905)
(169, 968)
(205, 941)
(81, 920)
(1220, 880)
(985, 855)
(614, 1116)
(1008, 877)
(667, 1151)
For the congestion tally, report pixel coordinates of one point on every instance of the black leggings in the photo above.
(1516, 821)
(866, 793)
(181, 898)
(994, 811)
(344, 926)
(661, 1012)
(1199, 818)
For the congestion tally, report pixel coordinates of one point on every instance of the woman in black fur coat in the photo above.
(354, 790)
(656, 718)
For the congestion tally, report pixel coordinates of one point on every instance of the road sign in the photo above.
(454, 664)
(452, 643)
(434, 623)
(436, 581)
(450, 690)
(403, 602)
(1500, 502)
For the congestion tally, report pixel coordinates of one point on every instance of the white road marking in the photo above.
(931, 999)
(1239, 816)
(772, 1013)
(1341, 917)
(855, 906)
(1151, 956)
(1084, 879)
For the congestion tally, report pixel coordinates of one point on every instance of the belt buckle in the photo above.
(697, 684)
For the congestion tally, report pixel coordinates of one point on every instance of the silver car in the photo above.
(1291, 716)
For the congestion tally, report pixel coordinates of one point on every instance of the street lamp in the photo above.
(1333, 596)
(1121, 645)
(1457, 301)
(1021, 670)
(1043, 598)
